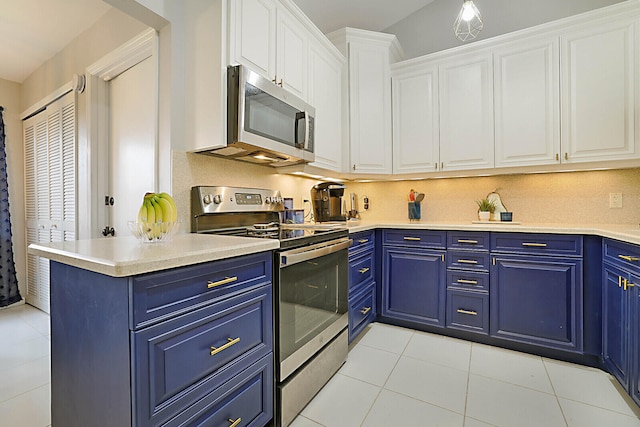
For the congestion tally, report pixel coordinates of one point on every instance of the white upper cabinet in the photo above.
(466, 112)
(291, 54)
(527, 103)
(416, 128)
(325, 94)
(599, 78)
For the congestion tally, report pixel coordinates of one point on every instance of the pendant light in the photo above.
(469, 21)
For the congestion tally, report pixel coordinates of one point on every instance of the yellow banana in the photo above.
(158, 209)
(151, 212)
(168, 214)
(173, 202)
(142, 213)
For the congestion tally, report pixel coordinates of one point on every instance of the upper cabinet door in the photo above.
(599, 77)
(527, 103)
(291, 54)
(416, 129)
(253, 35)
(466, 112)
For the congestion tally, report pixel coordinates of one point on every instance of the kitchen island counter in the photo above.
(127, 256)
(629, 233)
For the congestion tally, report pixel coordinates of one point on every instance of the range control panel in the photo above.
(214, 199)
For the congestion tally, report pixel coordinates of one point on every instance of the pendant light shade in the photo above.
(469, 22)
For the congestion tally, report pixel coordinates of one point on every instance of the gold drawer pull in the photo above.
(230, 342)
(472, 313)
(620, 281)
(468, 282)
(628, 258)
(471, 242)
(224, 281)
(363, 240)
(416, 239)
(365, 310)
(364, 270)
(535, 245)
(234, 423)
(467, 261)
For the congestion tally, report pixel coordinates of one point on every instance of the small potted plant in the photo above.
(485, 209)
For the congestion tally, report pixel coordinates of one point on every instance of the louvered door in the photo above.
(50, 182)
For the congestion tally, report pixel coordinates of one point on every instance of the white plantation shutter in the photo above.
(50, 182)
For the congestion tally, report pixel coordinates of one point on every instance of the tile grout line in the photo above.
(564, 417)
(466, 397)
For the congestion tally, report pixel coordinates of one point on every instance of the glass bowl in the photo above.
(148, 232)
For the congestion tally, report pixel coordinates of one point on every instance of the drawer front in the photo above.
(416, 238)
(360, 269)
(181, 360)
(533, 243)
(362, 240)
(621, 254)
(362, 310)
(468, 280)
(468, 240)
(468, 311)
(247, 396)
(468, 260)
(158, 296)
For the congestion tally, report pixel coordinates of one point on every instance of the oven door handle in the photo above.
(299, 255)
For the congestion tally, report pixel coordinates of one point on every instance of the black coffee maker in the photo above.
(327, 201)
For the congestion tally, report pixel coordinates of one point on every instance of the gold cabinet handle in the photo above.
(363, 270)
(628, 258)
(534, 245)
(469, 312)
(471, 242)
(557, 157)
(312, 286)
(467, 261)
(619, 281)
(627, 284)
(365, 310)
(566, 156)
(234, 423)
(363, 240)
(468, 282)
(230, 342)
(416, 239)
(224, 281)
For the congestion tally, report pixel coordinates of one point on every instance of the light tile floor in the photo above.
(393, 377)
(401, 377)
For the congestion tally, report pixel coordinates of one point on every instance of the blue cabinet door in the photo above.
(414, 285)
(615, 313)
(537, 300)
(635, 344)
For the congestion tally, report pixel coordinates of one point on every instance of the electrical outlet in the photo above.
(615, 200)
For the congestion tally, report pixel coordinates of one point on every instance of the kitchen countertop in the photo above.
(127, 256)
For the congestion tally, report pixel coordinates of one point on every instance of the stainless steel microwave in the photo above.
(266, 124)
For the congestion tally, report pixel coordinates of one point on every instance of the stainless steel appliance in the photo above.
(327, 201)
(266, 124)
(310, 286)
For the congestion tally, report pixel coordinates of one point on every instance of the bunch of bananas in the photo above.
(157, 214)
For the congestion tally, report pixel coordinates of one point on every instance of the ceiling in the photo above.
(32, 31)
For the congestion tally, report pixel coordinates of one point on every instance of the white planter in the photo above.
(484, 216)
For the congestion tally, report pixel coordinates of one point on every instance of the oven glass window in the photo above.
(312, 296)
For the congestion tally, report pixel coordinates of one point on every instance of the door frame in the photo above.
(93, 151)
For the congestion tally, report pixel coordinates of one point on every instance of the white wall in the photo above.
(430, 29)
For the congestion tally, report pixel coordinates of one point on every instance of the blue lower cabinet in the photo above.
(468, 311)
(616, 339)
(537, 300)
(414, 285)
(362, 310)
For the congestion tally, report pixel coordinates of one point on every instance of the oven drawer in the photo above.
(157, 296)
(468, 311)
(362, 240)
(362, 310)
(181, 360)
(247, 397)
(534, 243)
(468, 260)
(416, 238)
(361, 269)
(469, 280)
(468, 240)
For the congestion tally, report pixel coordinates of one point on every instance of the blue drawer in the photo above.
(468, 280)
(468, 240)
(416, 238)
(362, 240)
(469, 260)
(158, 296)
(468, 311)
(181, 360)
(621, 254)
(361, 269)
(248, 397)
(539, 244)
(362, 310)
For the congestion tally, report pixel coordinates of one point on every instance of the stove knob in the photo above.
(207, 199)
(267, 200)
(217, 199)
(279, 200)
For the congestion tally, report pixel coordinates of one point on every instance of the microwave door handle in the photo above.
(302, 115)
(297, 256)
